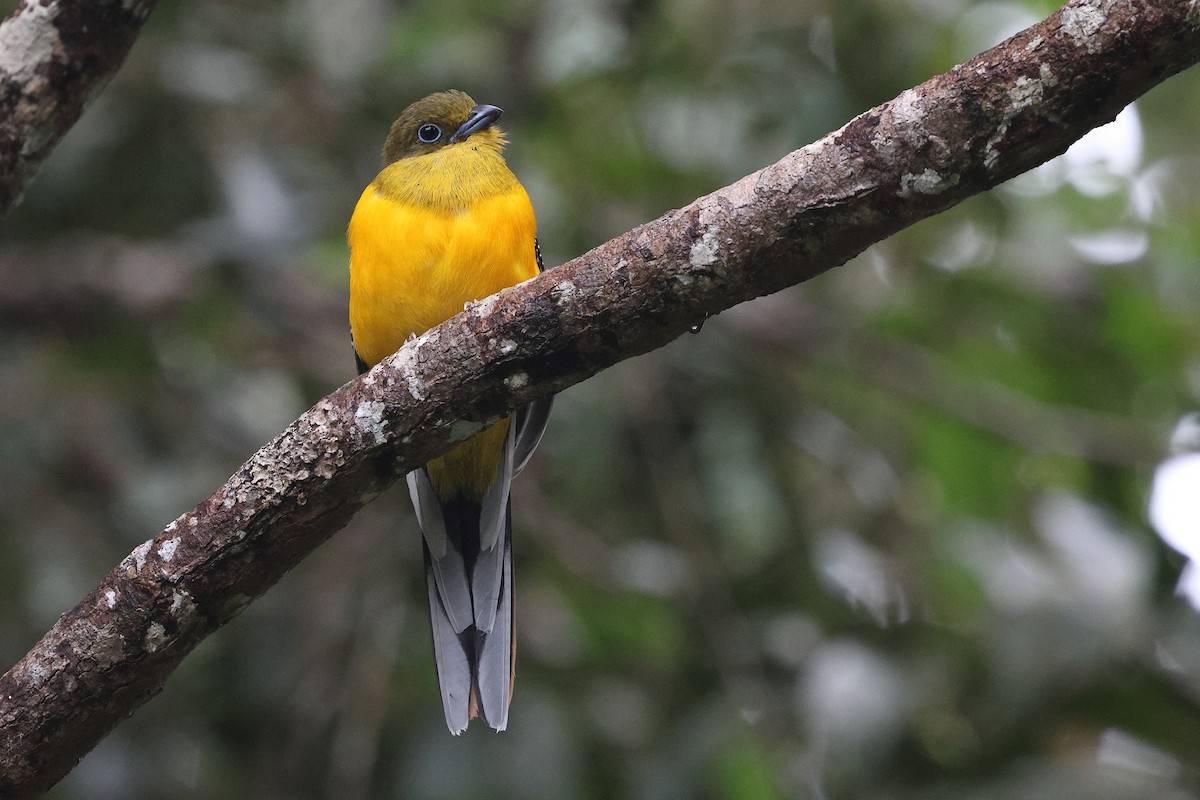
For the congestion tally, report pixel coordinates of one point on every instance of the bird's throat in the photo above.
(448, 180)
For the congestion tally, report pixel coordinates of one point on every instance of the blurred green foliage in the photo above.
(882, 535)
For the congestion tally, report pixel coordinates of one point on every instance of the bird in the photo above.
(446, 223)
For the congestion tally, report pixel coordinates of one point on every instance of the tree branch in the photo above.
(55, 56)
(958, 134)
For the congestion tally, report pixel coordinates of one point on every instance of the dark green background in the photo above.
(879, 536)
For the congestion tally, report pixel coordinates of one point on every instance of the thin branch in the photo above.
(958, 134)
(55, 56)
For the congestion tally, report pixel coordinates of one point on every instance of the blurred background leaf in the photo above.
(882, 535)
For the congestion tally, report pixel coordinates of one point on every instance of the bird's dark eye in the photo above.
(429, 133)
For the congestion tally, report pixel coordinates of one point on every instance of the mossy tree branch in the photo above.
(958, 134)
(55, 56)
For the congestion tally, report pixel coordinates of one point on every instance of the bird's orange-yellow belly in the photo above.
(412, 268)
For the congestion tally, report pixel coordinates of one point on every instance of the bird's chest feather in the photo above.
(413, 266)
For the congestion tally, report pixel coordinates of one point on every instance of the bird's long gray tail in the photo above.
(474, 652)
(468, 576)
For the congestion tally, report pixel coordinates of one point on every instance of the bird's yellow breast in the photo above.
(429, 235)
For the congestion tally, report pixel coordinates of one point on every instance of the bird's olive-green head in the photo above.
(439, 120)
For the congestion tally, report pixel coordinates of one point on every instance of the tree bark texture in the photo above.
(55, 56)
(960, 133)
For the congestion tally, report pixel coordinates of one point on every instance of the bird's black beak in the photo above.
(480, 117)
